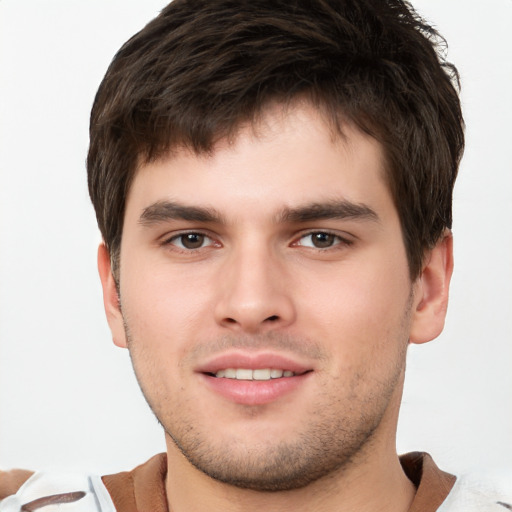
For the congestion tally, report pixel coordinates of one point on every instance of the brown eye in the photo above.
(191, 241)
(322, 240)
(319, 240)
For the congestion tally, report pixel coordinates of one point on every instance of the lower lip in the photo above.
(254, 392)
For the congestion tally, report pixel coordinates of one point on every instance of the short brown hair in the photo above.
(200, 69)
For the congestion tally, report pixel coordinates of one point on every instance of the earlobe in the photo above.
(111, 297)
(431, 294)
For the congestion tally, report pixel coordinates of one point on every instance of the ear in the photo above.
(111, 297)
(431, 292)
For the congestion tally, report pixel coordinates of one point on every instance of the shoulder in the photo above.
(23, 490)
(443, 492)
(143, 488)
(470, 494)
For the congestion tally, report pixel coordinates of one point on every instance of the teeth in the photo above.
(261, 374)
(247, 374)
(242, 374)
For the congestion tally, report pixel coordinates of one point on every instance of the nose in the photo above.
(254, 294)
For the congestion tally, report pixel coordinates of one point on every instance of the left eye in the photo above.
(191, 241)
(319, 240)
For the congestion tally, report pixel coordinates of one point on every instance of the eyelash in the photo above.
(338, 240)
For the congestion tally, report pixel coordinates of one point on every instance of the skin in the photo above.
(267, 276)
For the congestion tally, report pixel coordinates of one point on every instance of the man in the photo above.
(273, 184)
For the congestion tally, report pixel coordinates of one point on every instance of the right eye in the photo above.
(190, 241)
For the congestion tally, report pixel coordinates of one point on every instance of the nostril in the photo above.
(249, 323)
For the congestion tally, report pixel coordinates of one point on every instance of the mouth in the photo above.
(254, 378)
(260, 374)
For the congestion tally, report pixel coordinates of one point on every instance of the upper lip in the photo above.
(253, 361)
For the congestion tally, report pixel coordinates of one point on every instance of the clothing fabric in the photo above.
(143, 490)
(50, 491)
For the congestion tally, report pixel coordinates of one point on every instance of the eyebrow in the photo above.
(164, 211)
(337, 209)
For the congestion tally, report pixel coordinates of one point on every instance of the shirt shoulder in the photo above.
(438, 491)
(23, 490)
(142, 488)
(470, 495)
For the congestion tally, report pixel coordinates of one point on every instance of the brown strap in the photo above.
(54, 499)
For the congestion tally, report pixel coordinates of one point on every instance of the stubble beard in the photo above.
(327, 445)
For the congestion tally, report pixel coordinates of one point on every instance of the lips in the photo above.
(253, 378)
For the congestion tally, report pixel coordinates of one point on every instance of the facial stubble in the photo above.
(326, 444)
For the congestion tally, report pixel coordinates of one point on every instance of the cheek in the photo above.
(362, 312)
(163, 307)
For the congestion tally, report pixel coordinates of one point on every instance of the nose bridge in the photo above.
(253, 294)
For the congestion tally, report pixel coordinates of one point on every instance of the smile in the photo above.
(248, 374)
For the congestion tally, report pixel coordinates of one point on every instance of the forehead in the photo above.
(289, 157)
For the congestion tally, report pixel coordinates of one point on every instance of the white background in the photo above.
(67, 395)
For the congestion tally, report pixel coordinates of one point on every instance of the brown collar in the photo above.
(432, 484)
(142, 489)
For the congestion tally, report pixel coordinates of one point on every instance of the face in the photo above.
(266, 301)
